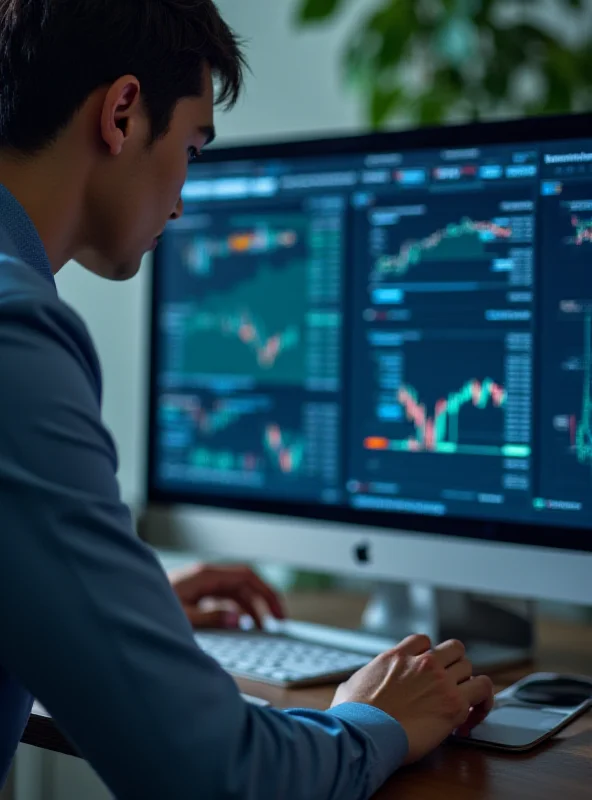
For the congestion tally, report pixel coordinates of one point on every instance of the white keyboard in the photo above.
(277, 659)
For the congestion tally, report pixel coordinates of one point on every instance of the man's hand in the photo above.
(247, 593)
(430, 693)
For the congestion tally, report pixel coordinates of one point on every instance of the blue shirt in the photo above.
(89, 624)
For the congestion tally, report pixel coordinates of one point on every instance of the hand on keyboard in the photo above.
(239, 585)
(430, 693)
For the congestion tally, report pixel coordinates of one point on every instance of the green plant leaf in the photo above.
(559, 95)
(497, 81)
(398, 32)
(393, 33)
(569, 65)
(434, 106)
(483, 10)
(384, 38)
(431, 109)
(317, 10)
(384, 104)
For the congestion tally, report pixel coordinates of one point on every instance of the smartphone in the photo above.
(520, 721)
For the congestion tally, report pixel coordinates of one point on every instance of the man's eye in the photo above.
(194, 155)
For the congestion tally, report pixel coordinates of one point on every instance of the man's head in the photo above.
(125, 89)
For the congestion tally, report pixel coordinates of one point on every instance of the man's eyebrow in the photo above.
(209, 132)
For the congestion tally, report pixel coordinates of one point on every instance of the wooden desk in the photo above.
(561, 770)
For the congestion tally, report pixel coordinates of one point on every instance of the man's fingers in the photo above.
(219, 619)
(243, 597)
(266, 593)
(449, 653)
(476, 717)
(461, 671)
(223, 581)
(414, 645)
(480, 693)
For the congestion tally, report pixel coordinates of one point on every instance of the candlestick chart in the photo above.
(255, 328)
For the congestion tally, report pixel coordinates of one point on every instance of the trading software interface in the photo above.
(407, 332)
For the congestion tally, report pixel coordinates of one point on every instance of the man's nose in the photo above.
(178, 210)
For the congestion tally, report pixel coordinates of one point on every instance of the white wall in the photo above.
(117, 315)
(294, 89)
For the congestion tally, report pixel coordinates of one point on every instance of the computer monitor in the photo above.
(373, 355)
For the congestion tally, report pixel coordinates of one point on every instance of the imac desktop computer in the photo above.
(372, 356)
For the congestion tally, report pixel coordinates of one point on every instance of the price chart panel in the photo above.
(443, 335)
(394, 331)
(566, 371)
(251, 360)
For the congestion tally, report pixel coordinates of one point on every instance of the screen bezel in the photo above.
(535, 129)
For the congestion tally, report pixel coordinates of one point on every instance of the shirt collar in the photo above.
(22, 233)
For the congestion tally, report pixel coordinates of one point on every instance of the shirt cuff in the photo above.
(388, 737)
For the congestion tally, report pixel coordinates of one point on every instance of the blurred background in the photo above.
(320, 67)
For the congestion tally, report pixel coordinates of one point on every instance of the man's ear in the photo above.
(119, 113)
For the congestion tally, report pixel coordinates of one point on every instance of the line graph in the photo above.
(465, 240)
(571, 229)
(280, 451)
(285, 449)
(440, 431)
(583, 231)
(224, 461)
(566, 341)
(483, 240)
(252, 328)
(251, 331)
(566, 453)
(207, 419)
(582, 432)
(253, 237)
(247, 439)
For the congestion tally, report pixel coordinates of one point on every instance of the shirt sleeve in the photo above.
(91, 627)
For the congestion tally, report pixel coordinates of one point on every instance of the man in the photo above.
(102, 105)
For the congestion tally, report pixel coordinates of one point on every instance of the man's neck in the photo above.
(47, 188)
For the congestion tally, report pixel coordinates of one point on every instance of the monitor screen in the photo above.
(369, 330)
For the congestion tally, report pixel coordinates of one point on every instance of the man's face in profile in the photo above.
(135, 193)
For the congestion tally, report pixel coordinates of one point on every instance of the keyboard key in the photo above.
(278, 659)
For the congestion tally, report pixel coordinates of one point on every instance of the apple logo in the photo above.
(362, 553)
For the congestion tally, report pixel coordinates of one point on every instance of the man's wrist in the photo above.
(388, 740)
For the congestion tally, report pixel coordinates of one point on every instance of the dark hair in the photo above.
(55, 53)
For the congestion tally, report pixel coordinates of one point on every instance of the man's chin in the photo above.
(105, 267)
(124, 272)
